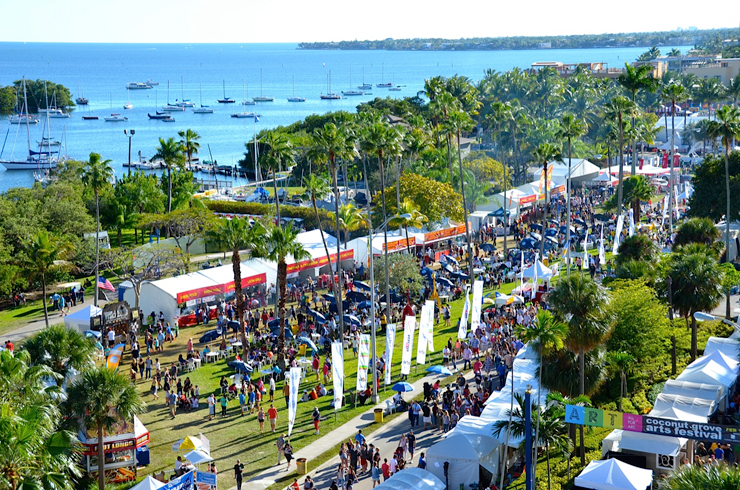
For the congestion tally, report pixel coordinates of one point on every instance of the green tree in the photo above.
(435, 200)
(650, 54)
(617, 109)
(697, 230)
(544, 154)
(691, 477)
(570, 128)
(278, 150)
(236, 235)
(189, 142)
(171, 153)
(709, 90)
(459, 121)
(403, 274)
(635, 79)
(63, 350)
(637, 189)
(317, 186)
(96, 175)
(674, 92)
(620, 363)
(350, 218)
(415, 219)
(276, 245)
(636, 247)
(101, 398)
(710, 182)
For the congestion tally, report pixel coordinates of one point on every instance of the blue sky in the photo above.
(250, 21)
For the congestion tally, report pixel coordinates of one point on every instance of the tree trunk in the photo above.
(449, 161)
(582, 390)
(670, 163)
(398, 183)
(338, 296)
(236, 264)
(101, 459)
(544, 215)
(282, 278)
(583, 447)
(547, 455)
(727, 224)
(471, 274)
(43, 299)
(621, 166)
(97, 245)
(693, 338)
(277, 200)
(169, 188)
(567, 204)
(321, 229)
(385, 237)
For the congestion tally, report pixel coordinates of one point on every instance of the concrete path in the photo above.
(18, 335)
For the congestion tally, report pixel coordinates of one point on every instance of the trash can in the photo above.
(142, 456)
(379, 415)
(301, 466)
(302, 349)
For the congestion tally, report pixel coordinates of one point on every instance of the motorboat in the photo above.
(24, 119)
(115, 118)
(81, 101)
(204, 109)
(138, 86)
(352, 93)
(395, 89)
(128, 105)
(48, 142)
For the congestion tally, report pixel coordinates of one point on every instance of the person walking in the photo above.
(272, 414)
(224, 403)
(286, 392)
(280, 443)
(261, 420)
(375, 475)
(211, 406)
(238, 470)
(172, 400)
(411, 442)
(288, 453)
(316, 416)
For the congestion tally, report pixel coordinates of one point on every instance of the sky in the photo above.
(250, 21)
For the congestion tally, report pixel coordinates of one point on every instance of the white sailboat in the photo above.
(262, 98)
(330, 95)
(351, 92)
(114, 117)
(246, 101)
(171, 107)
(383, 83)
(184, 102)
(203, 109)
(294, 98)
(128, 105)
(364, 86)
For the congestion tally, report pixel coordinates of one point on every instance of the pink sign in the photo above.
(631, 422)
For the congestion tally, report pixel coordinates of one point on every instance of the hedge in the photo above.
(254, 208)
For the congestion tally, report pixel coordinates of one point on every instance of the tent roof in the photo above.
(693, 390)
(580, 167)
(696, 406)
(149, 483)
(543, 272)
(413, 479)
(466, 446)
(83, 315)
(198, 456)
(729, 347)
(649, 443)
(711, 369)
(612, 474)
(676, 413)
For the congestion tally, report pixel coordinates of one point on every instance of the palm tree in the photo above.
(459, 121)
(317, 186)
(61, 349)
(553, 433)
(189, 142)
(102, 398)
(171, 153)
(635, 79)
(637, 189)
(44, 254)
(415, 219)
(278, 149)
(276, 245)
(557, 402)
(690, 477)
(236, 235)
(350, 218)
(727, 127)
(697, 230)
(96, 174)
(710, 90)
(675, 92)
(544, 154)
(617, 110)
(570, 127)
(621, 363)
(696, 282)
(733, 89)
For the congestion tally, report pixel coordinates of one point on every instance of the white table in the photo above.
(196, 362)
(212, 356)
(444, 298)
(236, 344)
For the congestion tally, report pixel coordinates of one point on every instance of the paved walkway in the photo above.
(385, 437)
(16, 336)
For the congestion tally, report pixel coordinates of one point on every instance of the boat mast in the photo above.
(28, 126)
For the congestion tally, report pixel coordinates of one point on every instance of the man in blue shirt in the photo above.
(359, 438)
(422, 462)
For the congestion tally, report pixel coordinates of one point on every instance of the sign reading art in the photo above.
(186, 296)
(651, 425)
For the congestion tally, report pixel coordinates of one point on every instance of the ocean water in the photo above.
(103, 70)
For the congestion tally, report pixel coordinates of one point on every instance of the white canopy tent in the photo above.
(149, 483)
(642, 443)
(696, 406)
(396, 243)
(538, 270)
(80, 320)
(711, 370)
(675, 413)
(413, 479)
(464, 452)
(729, 347)
(612, 474)
(693, 390)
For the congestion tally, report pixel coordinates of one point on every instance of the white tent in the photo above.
(396, 243)
(693, 390)
(729, 347)
(80, 320)
(696, 406)
(542, 271)
(413, 479)
(675, 413)
(642, 443)
(464, 452)
(711, 370)
(612, 474)
(198, 457)
(149, 483)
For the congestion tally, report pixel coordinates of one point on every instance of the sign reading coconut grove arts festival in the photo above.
(651, 425)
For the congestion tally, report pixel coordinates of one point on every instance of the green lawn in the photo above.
(16, 317)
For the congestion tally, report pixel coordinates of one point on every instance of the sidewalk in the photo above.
(18, 335)
(385, 437)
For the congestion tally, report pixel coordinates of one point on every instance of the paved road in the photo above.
(18, 335)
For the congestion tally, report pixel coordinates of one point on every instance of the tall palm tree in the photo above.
(236, 235)
(101, 398)
(459, 121)
(710, 90)
(62, 349)
(690, 477)
(189, 142)
(276, 245)
(733, 89)
(544, 154)
(726, 127)
(44, 254)
(675, 92)
(171, 153)
(442, 106)
(278, 150)
(635, 79)
(557, 402)
(96, 174)
(697, 230)
(621, 363)
(415, 219)
(617, 110)
(350, 218)
(317, 186)
(637, 189)
(570, 128)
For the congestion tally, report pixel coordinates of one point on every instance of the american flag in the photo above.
(104, 283)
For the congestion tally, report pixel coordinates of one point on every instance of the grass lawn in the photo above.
(239, 437)
(15, 317)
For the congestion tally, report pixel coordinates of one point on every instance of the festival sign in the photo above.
(205, 480)
(462, 329)
(337, 367)
(427, 318)
(390, 344)
(400, 244)
(215, 289)
(527, 199)
(296, 267)
(437, 235)
(477, 303)
(409, 325)
(363, 361)
(295, 382)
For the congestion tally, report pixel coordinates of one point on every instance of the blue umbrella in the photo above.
(551, 232)
(448, 258)
(209, 336)
(363, 305)
(402, 387)
(445, 281)
(240, 366)
(361, 285)
(448, 268)
(536, 226)
(426, 271)
(528, 243)
(308, 342)
(352, 319)
(329, 297)
(459, 275)
(92, 334)
(355, 296)
(316, 315)
(438, 370)
(276, 331)
(488, 247)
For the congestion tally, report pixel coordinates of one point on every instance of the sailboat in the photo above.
(128, 105)
(81, 100)
(158, 115)
(394, 87)
(184, 102)
(54, 111)
(171, 107)
(246, 100)
(262, 98)
(37, 160)
(350, 92)
(90, 116)
(225, 100)
(330, 95)
(383, 84)
(294, 98)
(20, 118)
(203, 109)
(364, 86)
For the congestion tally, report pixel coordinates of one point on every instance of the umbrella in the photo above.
(551, 232)
(448, 268)
(579, 221)
(459, 275)
(190, 443)
(445, 281)
(528, 243)
(402, 387)
(329, 297)
(439, 370)
(240, 366)
(551, 239)
(209, 336)
(564, 229)
(276, 331)
(316, 315)
(426, 271)
(361, 285)
(197, 457)
(553, 222)
(355, 296)
(448, 258)
(352, 319)
(536, 226)
(363, 305)
(92, 334)
(308, 342)
(488, 247)
(536, 236)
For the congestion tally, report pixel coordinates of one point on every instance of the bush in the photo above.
(641, 403)
(257, 209)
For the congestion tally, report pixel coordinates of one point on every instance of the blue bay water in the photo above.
(103, 70)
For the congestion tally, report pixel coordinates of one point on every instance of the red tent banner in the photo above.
(527, 199)
(399, 244)
(433, 236)
(186, 296)
(665, 160)
(319, 262)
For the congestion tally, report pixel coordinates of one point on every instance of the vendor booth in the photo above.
(120, 445)
(612, 474)
(472, 458)
(314, 245)
(81, 320)
(396, 243)
(413, 479)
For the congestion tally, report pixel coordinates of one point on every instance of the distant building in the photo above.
(723, 69)
(597, 69)
(103, 239)
(544, 45)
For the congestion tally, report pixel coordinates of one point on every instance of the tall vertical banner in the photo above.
(585, 251)
(602, 253)
(618, 234)
(295, 383)
(462, 330)
(665, 210)
(477, 301)
(632, 222)
(427, 320)
(521, 276)
(675, 200)
(409, 325)
(337, 369)
(430, 329)
(363, 361)
(390, 344)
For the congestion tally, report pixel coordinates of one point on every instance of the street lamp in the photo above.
(375, 398)
(701, 316)
(130, 133)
